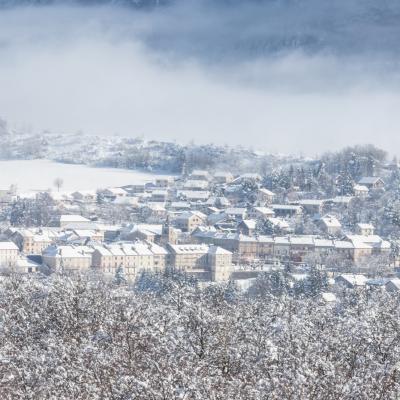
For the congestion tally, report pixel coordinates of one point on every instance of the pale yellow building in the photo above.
(131, 257)
(188, 256)
(206, 262)
(34, 240)
(188, 221)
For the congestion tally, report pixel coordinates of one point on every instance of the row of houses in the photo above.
(197, 188)
(355, 248)
(205, 262)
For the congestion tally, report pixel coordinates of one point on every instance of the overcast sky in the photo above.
(287, 76)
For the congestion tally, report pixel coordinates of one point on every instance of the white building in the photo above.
(200, 175)
(365, 229)
(74, 221)
(223, 177)
(113, 193)
(68, 258)
(265, 196)
(331, 225)
(8, 254)
(26, 266)
(361, 191)
(351, 280)
(206, 262)
(220, 262)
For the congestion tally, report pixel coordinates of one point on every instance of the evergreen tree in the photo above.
(99, 197)
(344, 184)
(315, 283)
(119, 278)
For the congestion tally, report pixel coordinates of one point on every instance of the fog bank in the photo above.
(197, 71)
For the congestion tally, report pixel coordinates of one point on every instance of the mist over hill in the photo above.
(254, 28)
(282, 75)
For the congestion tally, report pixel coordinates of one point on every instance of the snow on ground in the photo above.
(36, 175)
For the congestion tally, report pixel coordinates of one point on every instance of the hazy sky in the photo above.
(280, 75)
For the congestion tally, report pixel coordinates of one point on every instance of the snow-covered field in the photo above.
(36, 175)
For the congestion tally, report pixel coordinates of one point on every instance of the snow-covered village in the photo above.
(267, 232)
(339, 215)
(199, 199)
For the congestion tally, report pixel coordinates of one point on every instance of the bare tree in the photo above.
(58, 183)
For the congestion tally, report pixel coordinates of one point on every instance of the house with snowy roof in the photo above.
(187, 221)
(200, 175)
(84, 196)
(179, 206)
(112, 193)
(372, 182)
(364, 229)
(265, 196)
(361, 191)
(247, 227)
(261, 213)
(312, 206)
(129, 257)
(220, 263)
(6, 196)
(280, 224)
(286, 210)
(376, 243)
(206, 262)
(219, 202)
(238, 213)
(68, 258)
(351, 281)
(196, 184)
(164, 181)
(223, 177)
(25, 265)
(327, 298)
(331, 225)
(247, 178)
(148, 232)
(73, 220)
(159, 195)
(193, 195)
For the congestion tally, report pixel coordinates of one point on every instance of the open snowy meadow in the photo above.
(36, 175)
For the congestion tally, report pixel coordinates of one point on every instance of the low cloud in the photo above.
(226, 74)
